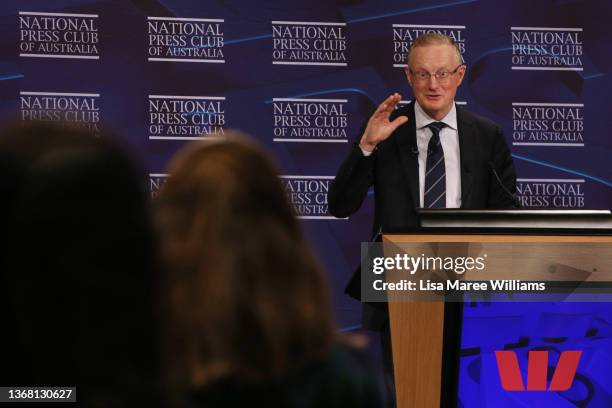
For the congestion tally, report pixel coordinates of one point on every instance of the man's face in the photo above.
(435, 96)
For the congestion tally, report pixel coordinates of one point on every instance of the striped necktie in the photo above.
(435, 172)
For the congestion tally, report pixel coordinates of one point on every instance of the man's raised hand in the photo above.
(379, 126)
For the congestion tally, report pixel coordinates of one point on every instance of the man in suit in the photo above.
(428, 154)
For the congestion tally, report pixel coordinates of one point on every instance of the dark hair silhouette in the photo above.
(78, 266)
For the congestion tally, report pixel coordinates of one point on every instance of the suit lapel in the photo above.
(467, 143)
(407, 146)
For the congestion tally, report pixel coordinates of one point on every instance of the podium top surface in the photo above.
(516, 221)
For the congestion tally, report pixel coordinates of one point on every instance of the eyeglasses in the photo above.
(440, 75)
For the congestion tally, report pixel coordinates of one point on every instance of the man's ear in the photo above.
(461, 73)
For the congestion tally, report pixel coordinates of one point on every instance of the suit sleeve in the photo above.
(350, 187)
(501, 159)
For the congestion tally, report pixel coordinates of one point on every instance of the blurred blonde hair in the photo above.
(245, 297)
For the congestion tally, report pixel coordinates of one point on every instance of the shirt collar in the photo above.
(422, 119)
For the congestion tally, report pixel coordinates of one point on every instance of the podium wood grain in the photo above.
(417, 363)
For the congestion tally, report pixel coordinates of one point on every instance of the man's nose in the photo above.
(433, 82)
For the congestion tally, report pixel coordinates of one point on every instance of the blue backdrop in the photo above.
(303, 76)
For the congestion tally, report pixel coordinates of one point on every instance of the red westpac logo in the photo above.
(537, 371)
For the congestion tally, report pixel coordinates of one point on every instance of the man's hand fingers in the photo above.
(379, 127)
(386, 107)
(390, 128)
(390, 102)
(395, 99)
(382, 108)
(399, 121)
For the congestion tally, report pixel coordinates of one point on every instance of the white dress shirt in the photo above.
(449, 138)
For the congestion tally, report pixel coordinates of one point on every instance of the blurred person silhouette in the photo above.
(248, 317)
(77, 267)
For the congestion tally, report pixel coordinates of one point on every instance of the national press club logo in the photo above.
(309, 43)
(58, 35)
(405, 34)
(181, 117)
(548, 124)
(547, 48)
(175, 39)
(310, 120)
(80, 109)
(550, 193)
(308, 195)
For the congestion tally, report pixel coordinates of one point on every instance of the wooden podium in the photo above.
(426, 336)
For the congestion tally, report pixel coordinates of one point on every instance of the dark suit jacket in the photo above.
(393, 170)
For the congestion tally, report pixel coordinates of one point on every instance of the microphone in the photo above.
(414, 149)
(515, 200)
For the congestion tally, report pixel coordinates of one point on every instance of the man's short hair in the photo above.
(434, 39)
